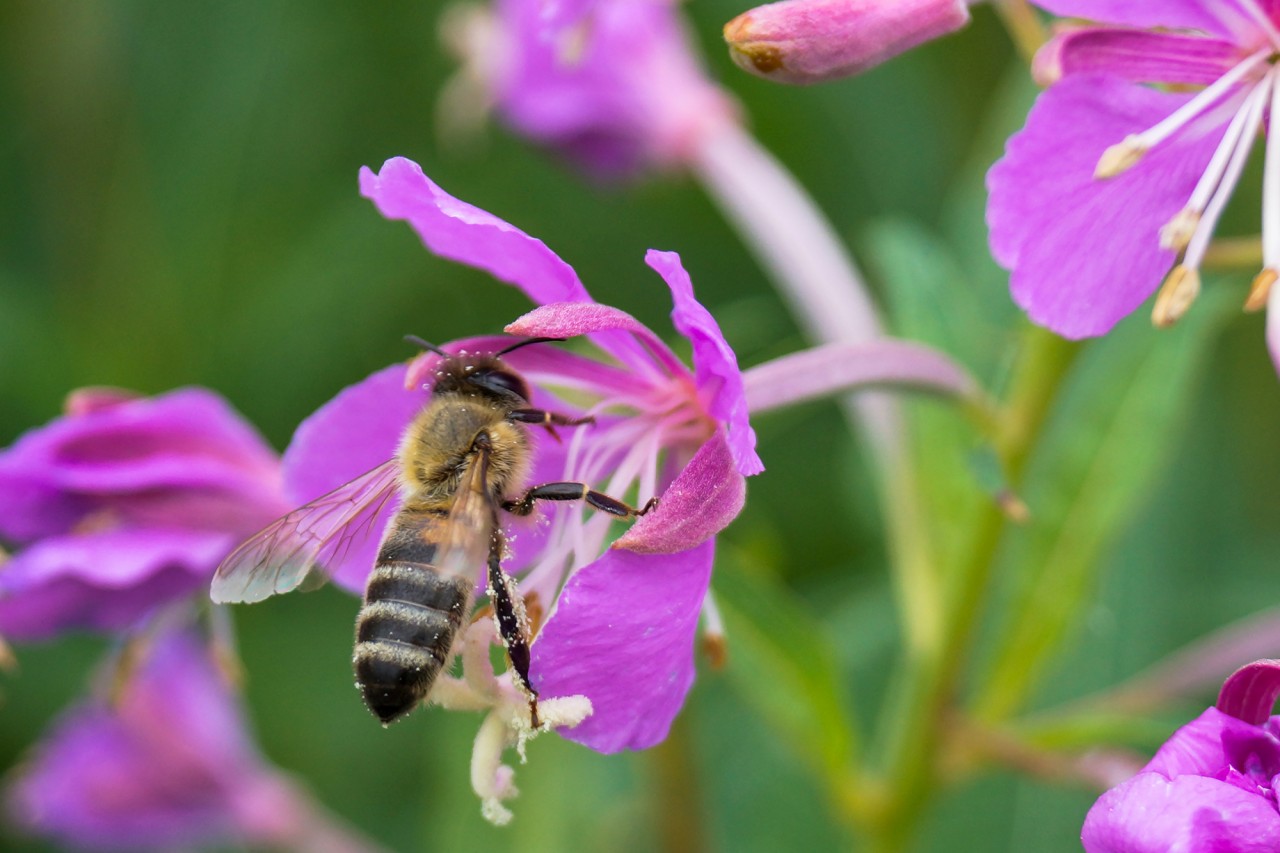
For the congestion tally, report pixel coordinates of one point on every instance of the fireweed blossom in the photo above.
(1127, 161)
(613, 659)
(161, 761)
(125, 504)
(1212, 786)
(612, 84)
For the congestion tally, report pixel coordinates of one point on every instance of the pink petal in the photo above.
(1084, 252)
(836, 368)
(461, 232)
(622, 635)
(699, 503)
(1138, 55)
(1197, 747)
(1273, 326)
(356, 431)
(1250, 693)
(715, 367)
(147, 460)
(1167, 14)
(1152, 814)
(103, 581)
(570, 319)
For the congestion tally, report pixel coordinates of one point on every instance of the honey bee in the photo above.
(458, 464)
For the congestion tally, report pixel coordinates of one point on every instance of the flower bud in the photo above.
(810, 41)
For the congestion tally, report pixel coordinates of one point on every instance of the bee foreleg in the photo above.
(550, 420)
(513, 624)
(575, 492)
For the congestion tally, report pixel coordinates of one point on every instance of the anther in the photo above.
(1119, 158)
(1176, 233)
(1260, 290)
(1177, 293)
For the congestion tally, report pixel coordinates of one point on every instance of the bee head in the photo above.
(483, 375)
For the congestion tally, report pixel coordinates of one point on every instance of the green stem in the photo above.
(917, 707)
(677, 802)
(1023, 25)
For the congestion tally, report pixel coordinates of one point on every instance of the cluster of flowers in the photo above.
(119, 512)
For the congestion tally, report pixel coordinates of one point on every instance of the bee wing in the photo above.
(471, 523)
(292, 551)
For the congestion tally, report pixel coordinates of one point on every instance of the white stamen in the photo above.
(1271, 183)
(1218, 162)
(1174, 122)
(1253, 107)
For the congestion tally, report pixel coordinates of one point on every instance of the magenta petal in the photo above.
(103, 581)
(461, 232)
(699, 503)
(1197, 747)
(715, 366)
(1250, 693)
(185, 458)
(570, 319)
(1142, 56)
(622, 635)
(1167, 14)
(1085, 253)
(1152, 814)
(1273, 327)
(356, 431)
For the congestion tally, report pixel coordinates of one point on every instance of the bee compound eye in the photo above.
(504, 382)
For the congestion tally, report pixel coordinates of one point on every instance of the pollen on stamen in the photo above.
(1260, 290)
(1119, 157)
(1177, 293)
(1176, 233)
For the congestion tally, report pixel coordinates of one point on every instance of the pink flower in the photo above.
(1211, 787)
(612, 84)
(124, 504)
(165, 765)
(1112, 181)
(614, 660)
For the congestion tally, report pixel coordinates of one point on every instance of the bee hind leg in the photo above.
(513, 625)
(575, 492)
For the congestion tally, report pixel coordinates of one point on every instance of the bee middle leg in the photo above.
(513, 624)
(575, 492)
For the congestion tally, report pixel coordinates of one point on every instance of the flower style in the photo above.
(164, 764)
(1113, 180)
(614, 659)
(1212, 786)
(124, 504)
(812, 41)
(612, 84)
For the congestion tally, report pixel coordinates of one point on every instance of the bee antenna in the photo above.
(429, 347)
(526, 342)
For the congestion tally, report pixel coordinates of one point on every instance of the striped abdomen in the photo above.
(410, 616)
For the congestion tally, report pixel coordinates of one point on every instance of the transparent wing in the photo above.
(472, 520)
(293, 551)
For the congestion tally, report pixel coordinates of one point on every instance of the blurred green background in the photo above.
(178, 205)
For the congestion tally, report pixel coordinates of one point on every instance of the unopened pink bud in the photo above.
(809, 41)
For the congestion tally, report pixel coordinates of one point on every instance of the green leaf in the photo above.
(1112, 429)
(784, 665)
